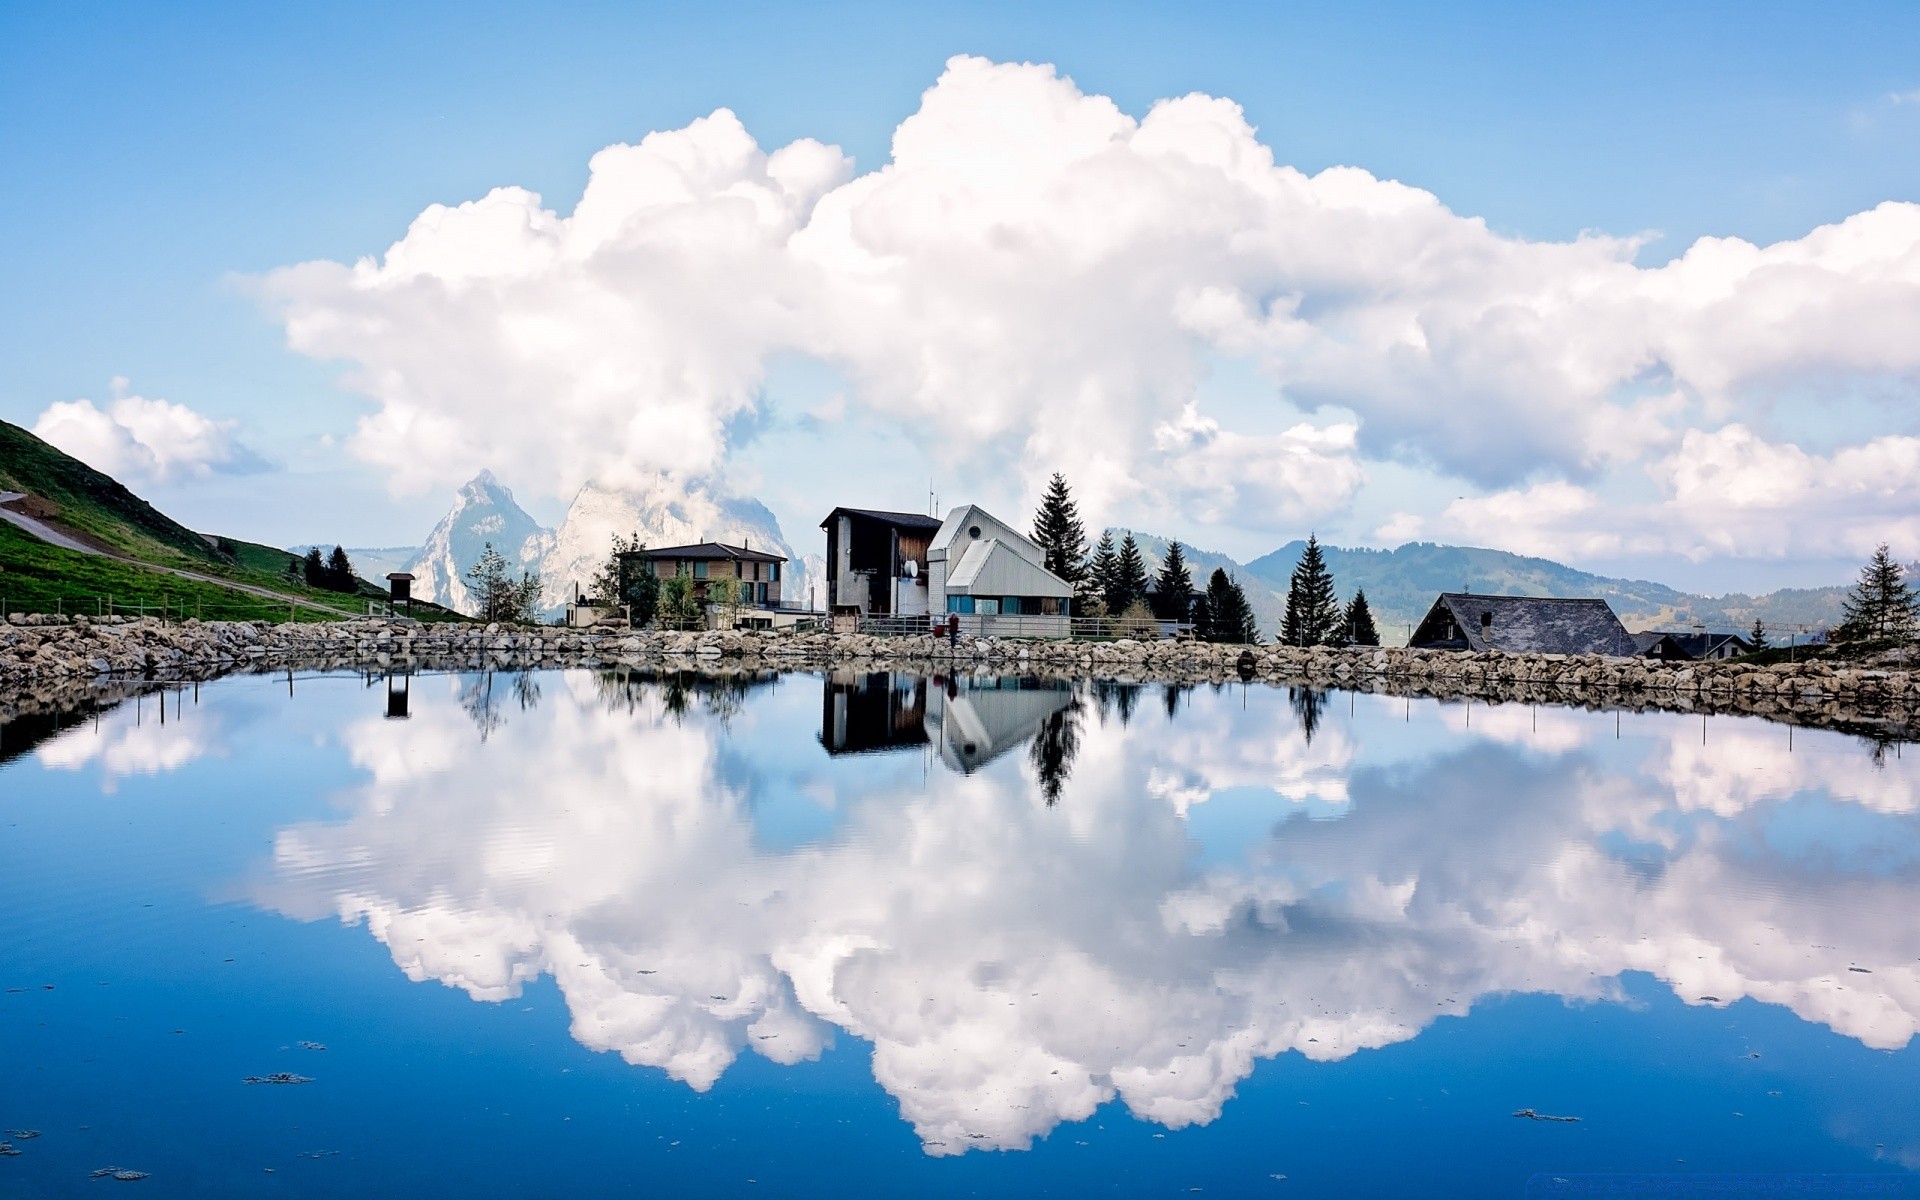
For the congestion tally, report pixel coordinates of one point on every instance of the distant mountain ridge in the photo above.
(662, 513)
(484, 513)
(1401, 585)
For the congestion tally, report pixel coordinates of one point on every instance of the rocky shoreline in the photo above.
(41, 656)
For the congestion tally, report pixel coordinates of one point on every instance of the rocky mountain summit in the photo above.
(662, 511)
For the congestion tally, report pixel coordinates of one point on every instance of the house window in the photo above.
(700, 570)
(960, 604)
(987, 606)
(762, 593)
(773, 572)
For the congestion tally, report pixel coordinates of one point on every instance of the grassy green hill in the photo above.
(93, 504)
(98, 509)
(36, 577)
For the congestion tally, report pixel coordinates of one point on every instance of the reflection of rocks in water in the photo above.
(1531, 1115)
(872, 711)
(279, 1077)
(980, 718)
(1308, 704)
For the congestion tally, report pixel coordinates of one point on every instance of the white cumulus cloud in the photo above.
(134, 437)
(1037, 280)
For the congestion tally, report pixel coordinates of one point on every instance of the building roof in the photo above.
(1696, 644)
(970, 524)
(710, 550)
(993, 568)
(398, 575)
(1523, 625)
(904, 520)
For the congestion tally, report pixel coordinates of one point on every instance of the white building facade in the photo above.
(993, 579)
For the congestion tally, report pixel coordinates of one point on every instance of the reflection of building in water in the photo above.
(974, 721)
(870, 712)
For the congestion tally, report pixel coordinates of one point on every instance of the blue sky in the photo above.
(156, 158)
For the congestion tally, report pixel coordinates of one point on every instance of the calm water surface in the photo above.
(565, 934)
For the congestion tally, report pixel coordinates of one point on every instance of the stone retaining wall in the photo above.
(36, 651)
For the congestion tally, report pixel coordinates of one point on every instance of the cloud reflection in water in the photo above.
(1023, 936)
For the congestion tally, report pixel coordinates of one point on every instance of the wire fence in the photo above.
(169, 607)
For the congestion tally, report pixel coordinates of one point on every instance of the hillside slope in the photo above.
(93, 504)
(126, 550)
(1401, 584)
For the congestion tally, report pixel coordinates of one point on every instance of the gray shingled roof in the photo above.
(1523, 625)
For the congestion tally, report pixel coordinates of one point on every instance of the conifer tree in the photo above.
(1202, 618)
(314, 568)
(1882, 605)
(1058, 531)
(1129, 577)
(1757, 636)
(497, 595)
(1229, 616)
(1357, 622)
(339, 572)
(1173, 588)
(1098, 583)
(1313, 611)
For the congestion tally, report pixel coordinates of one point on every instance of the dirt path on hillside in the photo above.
(56, 537)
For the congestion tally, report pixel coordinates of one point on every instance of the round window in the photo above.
(973, 531)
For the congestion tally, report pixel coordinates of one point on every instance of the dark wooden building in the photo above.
(877, 562)
(1522, 625)
(873, 712)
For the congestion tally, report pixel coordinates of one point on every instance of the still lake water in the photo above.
(573, 934)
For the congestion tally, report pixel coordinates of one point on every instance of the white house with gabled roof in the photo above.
(982, 570)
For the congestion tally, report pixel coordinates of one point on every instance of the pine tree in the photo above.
(1202, 618)
(1129, 577)
(339, 573)
(1757, 636)
(1098, 582)
(314, 568)
(1058, 531)
(1358, 621)
(1313, 611)
(1229, 616)
(497, 595)
(1882, 605)
(488, 584)
(1173, 588)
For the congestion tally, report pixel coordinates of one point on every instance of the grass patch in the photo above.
(37, 577)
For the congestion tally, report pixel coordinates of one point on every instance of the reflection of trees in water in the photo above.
(1054, 748)
(1111, 696)
(1171, 695)
(677, 692)
(1308, 704)
(482, 703)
